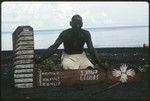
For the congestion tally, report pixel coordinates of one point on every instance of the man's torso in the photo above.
(74, 41)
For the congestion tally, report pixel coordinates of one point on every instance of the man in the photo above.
(73, 40)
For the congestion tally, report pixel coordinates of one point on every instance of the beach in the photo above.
(128, 91)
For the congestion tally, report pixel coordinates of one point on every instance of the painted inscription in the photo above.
(50, 79)
(89, 75)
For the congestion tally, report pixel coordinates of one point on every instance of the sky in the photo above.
(48, 15)
(57, 15)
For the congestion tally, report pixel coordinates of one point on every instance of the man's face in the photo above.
(76, 22)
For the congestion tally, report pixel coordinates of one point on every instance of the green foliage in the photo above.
(47, 64)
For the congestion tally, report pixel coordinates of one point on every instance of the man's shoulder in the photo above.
(86, 32)
(66, 30)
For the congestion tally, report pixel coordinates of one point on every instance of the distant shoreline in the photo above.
(95, 48)
(110, 27)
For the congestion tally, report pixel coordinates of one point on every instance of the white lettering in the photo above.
(89, 75)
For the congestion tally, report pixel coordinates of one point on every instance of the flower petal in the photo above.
(123, 78)
(123, 68)
(130, 72)
(116, 73)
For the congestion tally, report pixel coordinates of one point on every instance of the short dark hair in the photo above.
(76, 17)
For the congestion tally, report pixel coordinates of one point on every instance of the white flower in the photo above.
(123, 73)
(123, 78)
(131, 72)
(116, 73)
(123, 68)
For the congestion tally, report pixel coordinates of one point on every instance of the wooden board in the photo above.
(80, 77)
(71, 77)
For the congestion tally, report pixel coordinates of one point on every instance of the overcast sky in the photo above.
(56, 15)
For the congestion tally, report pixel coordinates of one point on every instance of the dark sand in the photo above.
(133, 91)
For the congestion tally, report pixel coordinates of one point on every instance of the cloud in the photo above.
(56, 15)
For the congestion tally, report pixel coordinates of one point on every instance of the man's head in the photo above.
(76, 22)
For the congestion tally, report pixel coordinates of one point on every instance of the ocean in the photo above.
(134, 36)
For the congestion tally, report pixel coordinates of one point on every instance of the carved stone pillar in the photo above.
(23, 54)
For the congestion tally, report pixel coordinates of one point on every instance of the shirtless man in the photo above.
(73, 40)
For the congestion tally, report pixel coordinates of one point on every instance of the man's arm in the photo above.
(50, 51)
(92, 51)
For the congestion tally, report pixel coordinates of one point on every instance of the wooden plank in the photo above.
(23, 80)
(24, 47)
(23, 75)
(71, 77)
(25, 33)
(24, 43)
(27, 41)
(24, 38)
(21, 66)
(25, 52)
(81, 77)
(24, 56)
(26, 85)
(23, 71)
(23, 61)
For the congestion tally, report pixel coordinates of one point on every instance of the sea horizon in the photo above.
(106, 27)
(102, 37)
